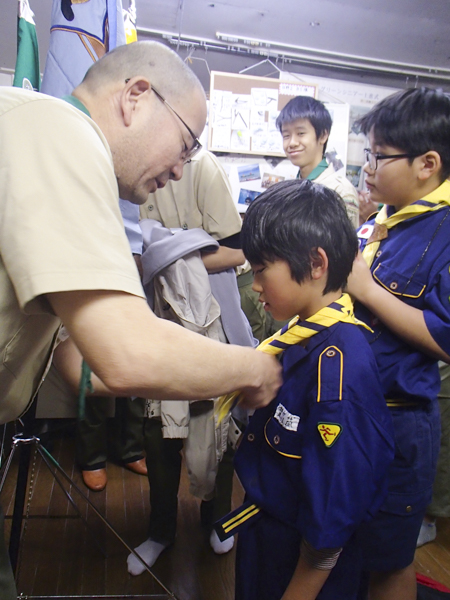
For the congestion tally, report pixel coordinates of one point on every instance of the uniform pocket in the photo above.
(397, 283)
(286, 442)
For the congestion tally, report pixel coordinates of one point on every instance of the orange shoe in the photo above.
(95, 480)
(137, 466)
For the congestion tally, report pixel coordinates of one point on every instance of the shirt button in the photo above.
(408, 509)
(331, 353)
(185, 226)
(393, 285)
(251, 437)
(276, 439)
(150, 207)
(378, 254)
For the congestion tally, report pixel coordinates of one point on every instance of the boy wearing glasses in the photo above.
(305, 126)
(402, 285)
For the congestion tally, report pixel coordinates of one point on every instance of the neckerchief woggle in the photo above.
(436, 200)
(294, 332)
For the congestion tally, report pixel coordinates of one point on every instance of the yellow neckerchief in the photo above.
(434, 201)
(295, 332)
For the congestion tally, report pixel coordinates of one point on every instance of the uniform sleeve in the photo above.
(346, 454)
(437, 311)
(215, 201)
(61, 227)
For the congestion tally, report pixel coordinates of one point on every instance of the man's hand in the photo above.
(360, 281)
(267, 381)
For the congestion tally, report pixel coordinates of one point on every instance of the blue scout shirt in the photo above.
(317, 456)
(413, 264)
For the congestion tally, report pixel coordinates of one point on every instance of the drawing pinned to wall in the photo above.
(298, 89)
(246, 197)
(266, 99)
(269, 179)
(240, 140)
(249, 172)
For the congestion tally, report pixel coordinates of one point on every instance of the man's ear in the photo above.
(428, 164)
(136, 89)
(319, 263)
(323, 138)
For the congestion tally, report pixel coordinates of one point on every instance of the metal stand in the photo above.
(24, 443)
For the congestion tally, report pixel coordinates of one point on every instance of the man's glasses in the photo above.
(189, 154)
(372, 157)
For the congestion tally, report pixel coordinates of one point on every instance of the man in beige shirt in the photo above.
(63, 251)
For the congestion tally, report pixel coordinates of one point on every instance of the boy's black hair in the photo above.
(291, 220)
(305, 107)
(414, 121)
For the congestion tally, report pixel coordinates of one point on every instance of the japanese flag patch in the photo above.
(329, 432)
(365, 232)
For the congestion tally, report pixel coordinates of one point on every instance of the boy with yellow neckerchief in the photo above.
(313, 463)
(404, 296)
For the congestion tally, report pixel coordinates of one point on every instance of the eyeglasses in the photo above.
(189, 154)
(372, 157)
(196, 147)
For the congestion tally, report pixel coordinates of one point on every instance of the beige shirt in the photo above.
(202, 198)
(60, 230)
(341, 185)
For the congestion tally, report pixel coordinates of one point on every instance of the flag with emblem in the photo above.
(27, 74)
(329, 432)
(82, 31)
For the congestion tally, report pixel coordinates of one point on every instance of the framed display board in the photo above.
(243, 110)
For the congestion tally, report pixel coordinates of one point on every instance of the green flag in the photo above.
(27, 74)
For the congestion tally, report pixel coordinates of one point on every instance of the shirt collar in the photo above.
(77, 103)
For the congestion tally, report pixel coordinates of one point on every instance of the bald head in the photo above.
(152, 60)
(151, 109)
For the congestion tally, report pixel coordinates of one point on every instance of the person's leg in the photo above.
(393, 585)
(440, 504)
(8, 589)
(127, 434)
(388, 542)
(213, 510)
(91, 443)
(164, 468)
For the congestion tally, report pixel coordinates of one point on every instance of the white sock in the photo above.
(149, 552)
(218, 546)
(427, 533)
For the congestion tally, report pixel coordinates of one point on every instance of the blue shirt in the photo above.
(413, 264)
(317, 457)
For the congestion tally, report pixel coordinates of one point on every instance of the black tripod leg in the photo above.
(21, 488)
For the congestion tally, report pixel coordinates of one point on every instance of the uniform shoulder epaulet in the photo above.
(330, 375)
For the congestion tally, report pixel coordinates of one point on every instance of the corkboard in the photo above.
(243, 110)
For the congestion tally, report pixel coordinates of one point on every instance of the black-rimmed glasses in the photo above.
(373, 157)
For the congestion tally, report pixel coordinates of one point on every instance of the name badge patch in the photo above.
(329, 432)
(286, 419)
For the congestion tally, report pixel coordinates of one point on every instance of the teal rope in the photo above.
(85, 386)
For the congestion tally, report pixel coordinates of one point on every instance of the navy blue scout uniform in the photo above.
(412, 263)
(315, 462)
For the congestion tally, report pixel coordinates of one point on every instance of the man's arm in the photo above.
(67, 360)
(136, 354)
(405, 321)
(225, 258)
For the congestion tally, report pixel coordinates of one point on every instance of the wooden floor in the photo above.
(60, 556)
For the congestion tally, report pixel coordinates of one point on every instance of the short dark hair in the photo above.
(305, 107)
(291, 220)
(415, 121)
